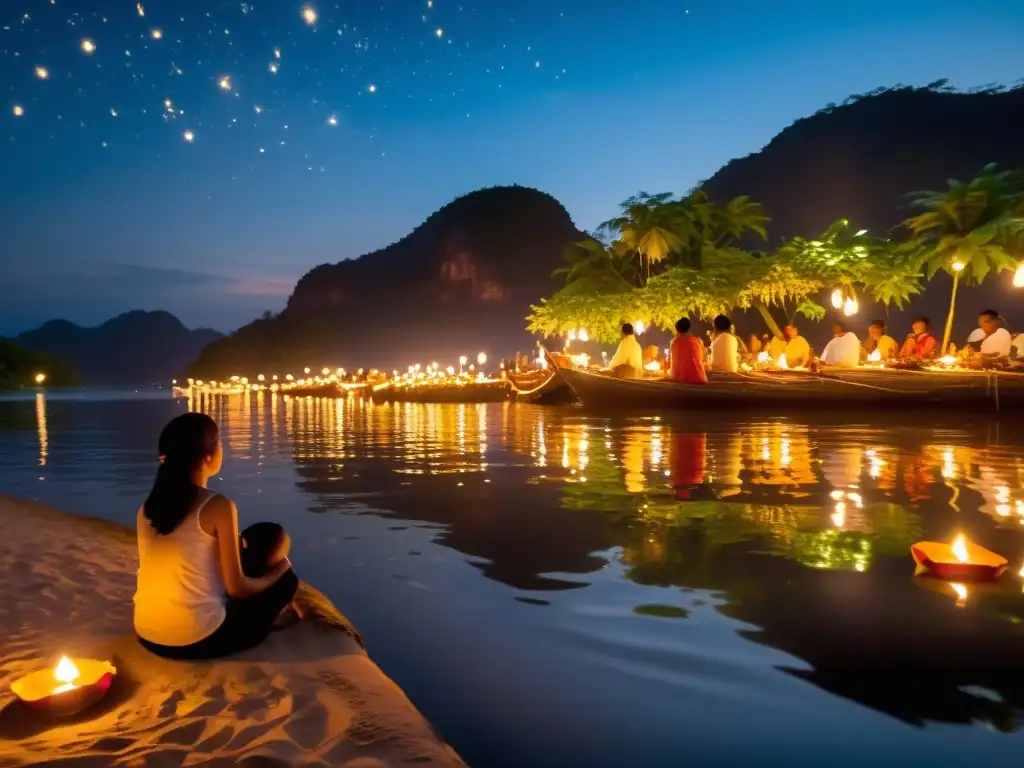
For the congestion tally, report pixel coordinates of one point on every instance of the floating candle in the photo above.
(959, 561)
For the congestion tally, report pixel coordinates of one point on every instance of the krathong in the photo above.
(66, 688)
(960, 561)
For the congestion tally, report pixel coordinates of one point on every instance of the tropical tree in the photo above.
(645, 227)
(969, 229)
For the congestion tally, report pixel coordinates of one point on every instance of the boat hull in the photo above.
(796, 390)
(540, 388)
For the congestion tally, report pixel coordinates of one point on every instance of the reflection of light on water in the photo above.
(766, 453)
(785, 458)
(961, 594)
(44, 440)
(948, 465)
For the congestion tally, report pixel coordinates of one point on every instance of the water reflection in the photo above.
(795, 534)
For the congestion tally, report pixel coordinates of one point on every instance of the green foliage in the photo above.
(19, 366)
(977, 224)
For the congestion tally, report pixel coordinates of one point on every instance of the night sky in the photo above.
(199, 157)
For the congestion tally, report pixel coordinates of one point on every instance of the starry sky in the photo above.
(199, 157)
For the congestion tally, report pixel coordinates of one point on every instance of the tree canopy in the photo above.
(664, 257)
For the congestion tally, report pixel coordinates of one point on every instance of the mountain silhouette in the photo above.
(459, 283)
(138, 348)
(463, 280)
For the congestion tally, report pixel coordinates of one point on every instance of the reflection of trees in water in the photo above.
(742, 512)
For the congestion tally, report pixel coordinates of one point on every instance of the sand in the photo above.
(310, 695)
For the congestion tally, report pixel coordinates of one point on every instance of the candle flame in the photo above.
(65, 673)
(960, 548)
(947, 359)
(875, 357)
(1018, 276)
(782, 361)
(837, 298)
(850, 307)
(763, 357)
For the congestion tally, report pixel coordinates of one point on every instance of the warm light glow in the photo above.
(332, 120)
(654, 365)
(189, 136)
(309, 14)
(947, 360)
(225, 83)
(1018, 276)
(958, 266)
(18, 110)
(88, 46)
(305, 370)
(65, 673)
(481, 358)
(960, 548)
(764, 357)
(782, 361)
(157, 34)
(326, 372)
(850, 307)
(571, 335)
(40, 378)
(961, 593)
(42, 73)
(582, 335)
(463, 359)
(875, 357)
(639, 327)
(837, 298)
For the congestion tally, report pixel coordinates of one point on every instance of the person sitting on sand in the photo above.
(724, 347)
(203, 591)
(843, 351)
(920, 342)
(686, 356)
(878, 341)
(627, 363)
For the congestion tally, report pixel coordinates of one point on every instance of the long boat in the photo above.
(541, 387)
(800, 390)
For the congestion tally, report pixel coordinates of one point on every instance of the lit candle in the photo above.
(65, 673)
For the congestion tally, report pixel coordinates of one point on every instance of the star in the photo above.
(88, 46)
(309, 14)
(189, 136)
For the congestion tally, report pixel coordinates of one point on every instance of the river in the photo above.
(557, 588)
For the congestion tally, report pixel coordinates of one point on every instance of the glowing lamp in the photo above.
(958, 266)
(782, 361)
(875, 357)
(639, 327)
(67, 688)
(582, 335)
(481, 358)
(764, 357)
(654, 365)
(959, 561)
(947, 360)
(1018, 276)
(837, 298)
(40, 378)
(850, 307)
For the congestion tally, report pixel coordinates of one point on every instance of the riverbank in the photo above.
(309, 696)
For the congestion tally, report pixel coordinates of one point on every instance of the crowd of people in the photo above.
(689, 360)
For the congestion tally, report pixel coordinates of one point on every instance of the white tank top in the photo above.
(180, 595)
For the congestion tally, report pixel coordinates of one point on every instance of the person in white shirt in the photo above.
(843, 351)
(988, 338)
(628, 361)
(724, 347)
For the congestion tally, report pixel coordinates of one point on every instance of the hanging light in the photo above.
(837, 298)
(1018, 276)
(850, 307)
(639, 327)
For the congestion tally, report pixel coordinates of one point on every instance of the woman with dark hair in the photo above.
(203, 591)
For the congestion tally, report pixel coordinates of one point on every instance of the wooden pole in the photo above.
(952, 309)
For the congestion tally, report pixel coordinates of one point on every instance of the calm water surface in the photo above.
(556, 588)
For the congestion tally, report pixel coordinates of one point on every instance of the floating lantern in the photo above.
(67, 688)
(959, 561)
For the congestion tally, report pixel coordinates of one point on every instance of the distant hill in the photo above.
(462, 281)
(19, 367)
(459, 283)
(138, 348)
(860, 159)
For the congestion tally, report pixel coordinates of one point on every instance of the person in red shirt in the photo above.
(920, 344)
(687, 356)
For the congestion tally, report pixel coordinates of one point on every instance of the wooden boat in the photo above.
(541, 387)
(803, 390)
(485, 392)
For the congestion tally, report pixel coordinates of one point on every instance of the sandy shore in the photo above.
(309, 696)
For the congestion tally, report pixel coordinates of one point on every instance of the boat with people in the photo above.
(800, 390)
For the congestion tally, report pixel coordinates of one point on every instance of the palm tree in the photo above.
(966, 230)
(645, 227)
